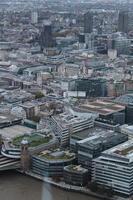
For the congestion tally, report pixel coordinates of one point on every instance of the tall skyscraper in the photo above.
(123, 22)
(88, 22)
(46, 37)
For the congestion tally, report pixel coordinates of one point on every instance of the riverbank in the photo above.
(15, 185)
(68, 187)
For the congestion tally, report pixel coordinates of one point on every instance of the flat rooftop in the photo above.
(122, 150)
(127, 129)
(103, 138)
(14, 131)
(103, 107)
(126, 99)
(31, 104)
(67, 119)
(76, 168)
(7, 118)
(56, 155)
(95, 130)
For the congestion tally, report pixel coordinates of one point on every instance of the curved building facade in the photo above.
(10, 152)
(51, 164)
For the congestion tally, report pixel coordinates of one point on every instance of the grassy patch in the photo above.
(124, 152)
(33, 140)
(50, 157)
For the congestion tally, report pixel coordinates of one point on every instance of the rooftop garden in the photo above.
(76, 168)
(57, 155)
(124, 152)
(33, 140)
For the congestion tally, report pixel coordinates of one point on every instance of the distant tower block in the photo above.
(0, 142)
(46, 36)
(25, 156)
(88, 22)
(34, 17)
(123, 22)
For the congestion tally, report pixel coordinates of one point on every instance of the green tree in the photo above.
(36, 118)
(93, 186)
(39, 95)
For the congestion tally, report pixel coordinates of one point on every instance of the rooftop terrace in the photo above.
(76, 168)
(95, 130)
(104, 138)
(122, 150)
(56, 155)
(67, 119)
(32, 140)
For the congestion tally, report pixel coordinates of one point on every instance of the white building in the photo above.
(114, 168)
(127, 130)
(67, 123)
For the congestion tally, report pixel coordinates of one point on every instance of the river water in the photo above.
(15, 186)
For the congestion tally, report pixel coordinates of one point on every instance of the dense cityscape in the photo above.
(66, 94)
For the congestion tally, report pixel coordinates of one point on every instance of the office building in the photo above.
(46, 37)
(129, 114)
(91, 147)
(66, 124)
(114, 168)
(88, 22)
(51, 163)
(121, 44)
(93, 87)
(127, 130)
(106, 109)
(123, 22)
(75, 175)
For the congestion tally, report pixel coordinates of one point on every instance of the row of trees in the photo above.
(101, 189)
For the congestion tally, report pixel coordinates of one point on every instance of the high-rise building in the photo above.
(89, 41)
(34, 17)
(120, 44)
(88, 22)
(123, 22)
(46, 37)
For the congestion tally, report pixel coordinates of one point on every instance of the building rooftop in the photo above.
(67, 119)
(101, 139)
(30, 104)
(7, 118)
(56, 155)
(32, 140)
(127, 129)
(14, 131)
(126, 99)
(93, 131)
(76, 168)
(103, 107)
(124, 150)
